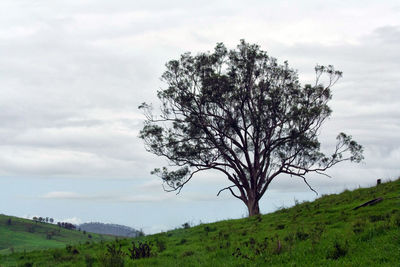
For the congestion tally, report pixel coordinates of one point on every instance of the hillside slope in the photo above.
(325, 232)
(17, 234)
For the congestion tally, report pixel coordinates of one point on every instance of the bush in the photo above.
(114, 256)
(186, 225)
(143, 250)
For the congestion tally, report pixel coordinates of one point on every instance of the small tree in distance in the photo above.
(241, 113)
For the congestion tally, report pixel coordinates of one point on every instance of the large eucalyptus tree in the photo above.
(243, 114)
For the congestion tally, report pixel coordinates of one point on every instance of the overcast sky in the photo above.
(72, 74)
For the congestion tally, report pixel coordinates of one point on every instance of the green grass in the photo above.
(26, 235)
(325, 232)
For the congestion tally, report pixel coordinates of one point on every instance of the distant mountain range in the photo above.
(109, 229)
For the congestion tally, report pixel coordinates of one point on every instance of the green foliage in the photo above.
(143, 250)
(314, 239)
(113, 257)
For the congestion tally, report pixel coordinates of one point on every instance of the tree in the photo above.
(241, 113)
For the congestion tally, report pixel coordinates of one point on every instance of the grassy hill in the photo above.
(18, 235)
(326, 232)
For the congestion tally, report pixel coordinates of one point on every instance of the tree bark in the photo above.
(253, 208)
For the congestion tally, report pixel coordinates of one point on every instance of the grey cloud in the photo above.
(60, 68)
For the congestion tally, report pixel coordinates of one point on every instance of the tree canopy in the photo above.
(241, 113)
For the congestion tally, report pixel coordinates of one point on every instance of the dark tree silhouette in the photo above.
(66, 225)
(243, 114)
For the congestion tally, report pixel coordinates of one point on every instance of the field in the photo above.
(325, 232)
(19, 235)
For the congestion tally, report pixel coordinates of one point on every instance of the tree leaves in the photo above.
(239, 112)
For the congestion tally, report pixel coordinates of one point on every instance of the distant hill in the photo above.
(17, 234)
(109, 229)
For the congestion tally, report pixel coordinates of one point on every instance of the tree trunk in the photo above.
(252, 206)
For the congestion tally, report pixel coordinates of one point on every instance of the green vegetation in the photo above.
(19, 235)
(326, 232)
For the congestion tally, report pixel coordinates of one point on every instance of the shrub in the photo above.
(114, 256)
(143, 250)
(186, 225)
